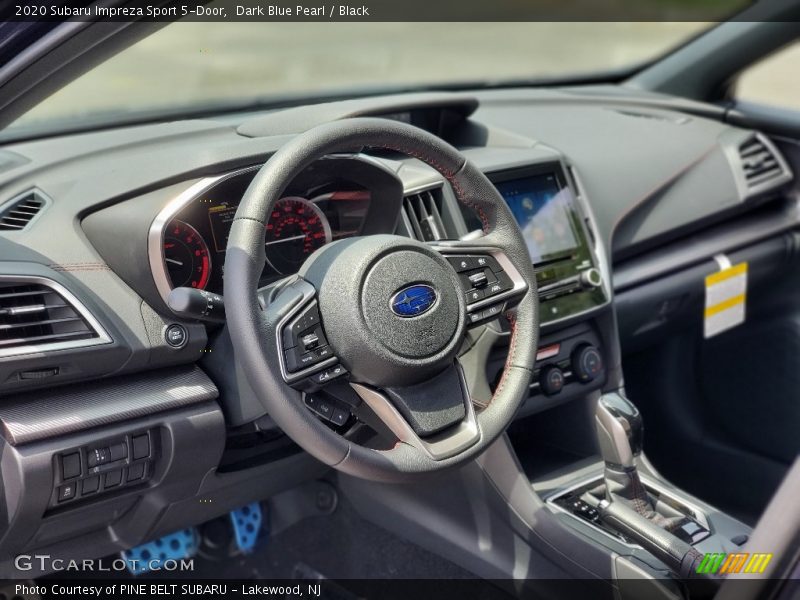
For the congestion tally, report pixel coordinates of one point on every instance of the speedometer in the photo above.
(296, 228)
(186, 256)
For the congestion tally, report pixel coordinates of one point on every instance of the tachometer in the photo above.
(186, 256)
(295, 229)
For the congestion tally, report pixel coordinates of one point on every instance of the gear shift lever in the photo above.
(619, 434)
(619, 431)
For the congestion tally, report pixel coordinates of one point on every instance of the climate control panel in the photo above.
(569, 363)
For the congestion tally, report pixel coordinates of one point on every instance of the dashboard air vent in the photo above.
(18, 213)
(760, 163)
(423, 216)
(36, 317)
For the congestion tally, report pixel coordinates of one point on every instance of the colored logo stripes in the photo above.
(741, 562)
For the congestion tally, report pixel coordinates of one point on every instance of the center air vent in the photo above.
(762, 166)
(423, 217)
(35, 317)
(18, 213)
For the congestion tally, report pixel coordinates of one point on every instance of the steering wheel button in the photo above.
(324, 409)
(492, 312)
(488, 261)
(339, 417)
(463, 263)
(310, 341)
(478, 280)
(474, 296)
(504, 281)
(321, 354)
(310, 316)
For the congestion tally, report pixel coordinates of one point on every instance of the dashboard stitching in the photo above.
(85, 266)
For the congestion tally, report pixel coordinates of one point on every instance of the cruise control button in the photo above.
(321, 354)
(306, 320)
(297, 360)
(503, 284)
(310, 341)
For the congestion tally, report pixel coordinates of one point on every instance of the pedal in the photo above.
(153, 555)
(246, 525)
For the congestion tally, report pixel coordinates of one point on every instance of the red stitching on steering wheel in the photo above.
(453, 182)
(512, 319)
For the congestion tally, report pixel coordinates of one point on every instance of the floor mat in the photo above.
(340, 546)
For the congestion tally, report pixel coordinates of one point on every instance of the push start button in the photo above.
(176, 336)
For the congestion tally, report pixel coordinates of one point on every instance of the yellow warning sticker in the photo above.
(726, 295)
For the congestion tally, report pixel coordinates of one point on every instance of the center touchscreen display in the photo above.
(543, 208)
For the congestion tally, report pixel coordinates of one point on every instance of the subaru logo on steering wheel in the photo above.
(413, 301)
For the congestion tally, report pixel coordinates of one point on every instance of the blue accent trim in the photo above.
(413, 301)
(152, 555)
(246, 525)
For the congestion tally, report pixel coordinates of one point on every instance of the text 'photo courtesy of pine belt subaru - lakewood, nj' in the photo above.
(435, 300)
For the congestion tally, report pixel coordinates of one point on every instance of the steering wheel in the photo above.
(387, 314)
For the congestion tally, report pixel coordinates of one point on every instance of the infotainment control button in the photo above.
(478, 279)
(590, 278)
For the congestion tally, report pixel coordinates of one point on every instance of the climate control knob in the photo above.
(551, 380)
(587, 363)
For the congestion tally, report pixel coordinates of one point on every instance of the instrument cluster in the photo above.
(304, 219)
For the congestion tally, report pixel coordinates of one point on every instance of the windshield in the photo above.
(191, 66)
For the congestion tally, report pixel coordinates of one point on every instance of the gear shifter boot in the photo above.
(624, 485)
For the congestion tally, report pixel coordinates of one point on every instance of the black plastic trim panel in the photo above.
(79, 407)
